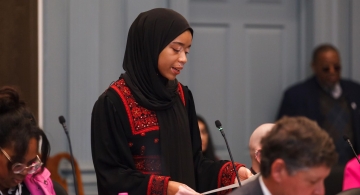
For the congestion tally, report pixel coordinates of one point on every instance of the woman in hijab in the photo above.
(144, 133)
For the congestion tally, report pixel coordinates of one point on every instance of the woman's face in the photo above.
(173, 57)
(8, 178)
(204, 136)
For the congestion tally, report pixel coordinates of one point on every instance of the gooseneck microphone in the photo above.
(219, 126)
(346, 138)
(62, 122)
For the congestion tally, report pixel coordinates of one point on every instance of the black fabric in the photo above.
(59, 190)
(337, 122)
(149, 34)
(113, 160)
(15, 190)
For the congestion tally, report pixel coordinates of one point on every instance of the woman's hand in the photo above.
(176, 188)
(244, 173)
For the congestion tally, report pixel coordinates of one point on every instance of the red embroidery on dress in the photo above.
(181, 93)
(157, 185)
(141, 119)
(227, 176)
(148, 164)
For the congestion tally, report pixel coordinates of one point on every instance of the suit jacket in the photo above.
(251, 188)
(303, 100)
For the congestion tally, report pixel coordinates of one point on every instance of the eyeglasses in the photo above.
(19, 168)
(327, 69)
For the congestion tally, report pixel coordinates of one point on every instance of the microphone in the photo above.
(62, 122)
(346, 138)
(219, 126)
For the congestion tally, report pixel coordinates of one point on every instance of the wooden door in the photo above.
(18, 49)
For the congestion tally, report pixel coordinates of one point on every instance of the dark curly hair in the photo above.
(18, 126)
(300, 142)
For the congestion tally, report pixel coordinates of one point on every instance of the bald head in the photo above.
(255, 146)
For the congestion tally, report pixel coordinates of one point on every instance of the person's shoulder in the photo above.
(350, 83)
(300, 87)
(108, 93)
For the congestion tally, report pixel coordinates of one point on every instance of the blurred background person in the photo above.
(207, 145)
(326, 98)
(22, 168)
(297, 156)
(255, 146)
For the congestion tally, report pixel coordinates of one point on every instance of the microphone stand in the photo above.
(346, 138)
(218, 125)
(62, 122)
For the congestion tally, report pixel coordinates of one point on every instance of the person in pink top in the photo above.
(22, 167)
(352, 174)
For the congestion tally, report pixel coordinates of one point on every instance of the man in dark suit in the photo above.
(332, 102)
(296, 157)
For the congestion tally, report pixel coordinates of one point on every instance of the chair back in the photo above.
(53, 166)
(59, 190)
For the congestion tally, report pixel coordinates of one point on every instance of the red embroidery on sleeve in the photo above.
(227, 176)
(157, 185)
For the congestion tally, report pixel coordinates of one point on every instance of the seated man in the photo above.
(296, 157)
(255, 146)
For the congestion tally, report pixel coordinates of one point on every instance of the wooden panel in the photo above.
(18, 49)
(264, 67)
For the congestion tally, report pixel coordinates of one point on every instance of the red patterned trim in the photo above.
(141, 119)
(157, 185)
(227, 176)
(148, 164)
(181, 93)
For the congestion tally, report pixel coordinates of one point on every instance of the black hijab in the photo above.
(148, 35)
